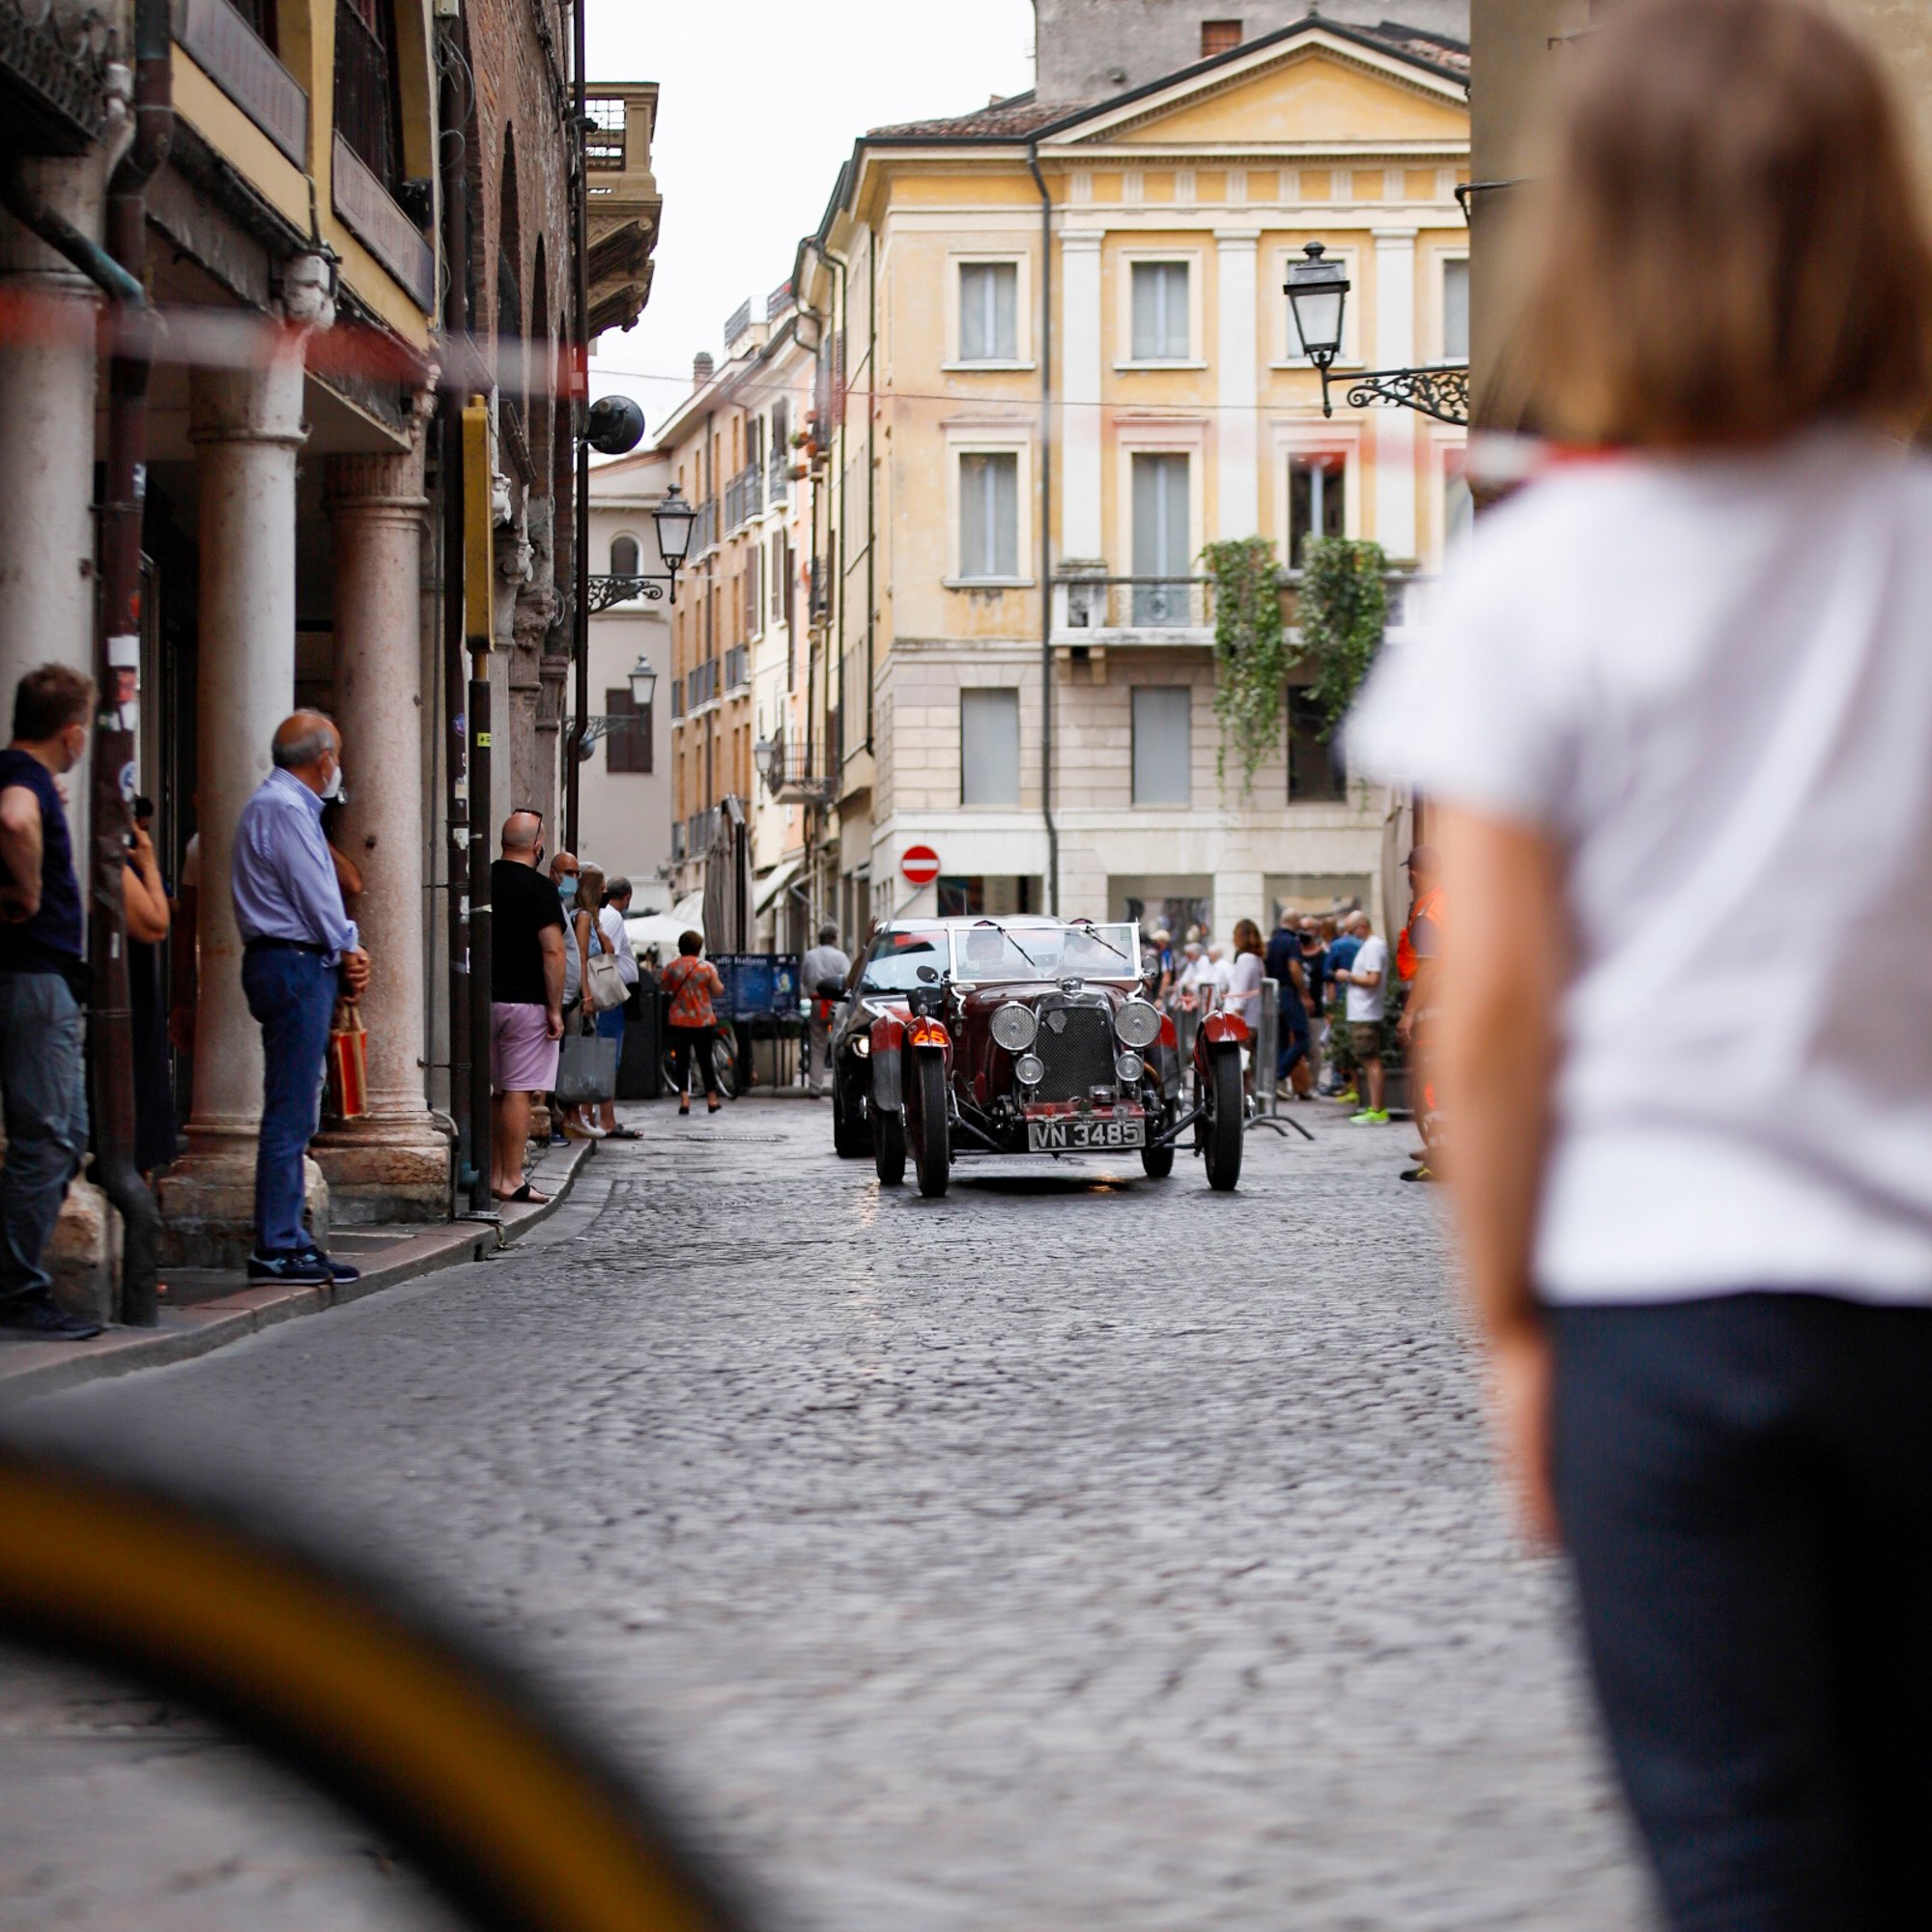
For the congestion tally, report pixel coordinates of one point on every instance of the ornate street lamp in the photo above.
(1318, 294)
(644, 688)
(673, 518)
(768, 757)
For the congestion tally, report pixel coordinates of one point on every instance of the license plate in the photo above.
(1070, 1136)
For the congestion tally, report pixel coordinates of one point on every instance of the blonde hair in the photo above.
(1727, 246)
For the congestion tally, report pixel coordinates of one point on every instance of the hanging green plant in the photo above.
(1344, 608)
(1250, 652)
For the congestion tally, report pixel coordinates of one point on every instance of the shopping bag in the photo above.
(348, 1062)
(586, 1069)
(604, 984)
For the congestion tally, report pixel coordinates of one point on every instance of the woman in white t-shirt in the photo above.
(1677, 718)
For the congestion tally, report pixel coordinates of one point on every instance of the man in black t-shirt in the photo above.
(525, 998)
(41, 973)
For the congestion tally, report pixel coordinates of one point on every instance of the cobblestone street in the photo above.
(1070, 1552)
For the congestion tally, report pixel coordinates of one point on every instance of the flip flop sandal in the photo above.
(623, 1134)
(526, 1193)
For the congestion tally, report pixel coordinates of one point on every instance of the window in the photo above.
(1315, 768)
(1456, 310)
(368, 113)
(1162, 547)
(1161, 311)
(626, 557)
(1317, 499)
(1163, 744)
(627, 745)
(990, 515)
(779, 575)
(989, 312)
(1219, 37)
(989, 747)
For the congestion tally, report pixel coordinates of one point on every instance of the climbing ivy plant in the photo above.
(1250, 651)
(1344, 607)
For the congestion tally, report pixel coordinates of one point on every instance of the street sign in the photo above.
(921, 865)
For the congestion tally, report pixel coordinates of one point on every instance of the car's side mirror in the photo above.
(929, 975)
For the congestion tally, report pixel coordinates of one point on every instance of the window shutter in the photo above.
(627, 745)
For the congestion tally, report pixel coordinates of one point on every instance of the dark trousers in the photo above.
(292, 996)
(45, 1101)
(686, 1042)
(1293, 1037)
(1745, 1490)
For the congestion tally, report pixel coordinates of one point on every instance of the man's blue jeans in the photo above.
(292, 998)
(47, 1121)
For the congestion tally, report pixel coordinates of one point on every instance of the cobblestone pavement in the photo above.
(1076, 1551)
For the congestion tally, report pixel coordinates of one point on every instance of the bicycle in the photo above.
(515, 1819)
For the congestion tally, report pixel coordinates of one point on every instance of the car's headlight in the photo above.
(1137, 1023)
(1031, 1068)
(1014, 1026)
(1128, 1069)
(862, 1046)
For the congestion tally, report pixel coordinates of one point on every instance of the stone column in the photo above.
(1395, 429)
(1081, 539)
(47, 430)
(1238, 512)
(392, 1164)
(246, 427)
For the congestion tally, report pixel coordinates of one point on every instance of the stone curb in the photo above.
(32, 1368)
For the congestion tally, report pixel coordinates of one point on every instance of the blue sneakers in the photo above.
(303, 1267)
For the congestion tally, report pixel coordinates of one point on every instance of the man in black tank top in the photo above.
(42, 961)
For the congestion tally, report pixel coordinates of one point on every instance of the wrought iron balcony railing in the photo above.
(1180, 610)
(744, 496)
(802, 773)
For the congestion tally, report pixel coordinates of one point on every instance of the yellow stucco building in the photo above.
(1060, 361)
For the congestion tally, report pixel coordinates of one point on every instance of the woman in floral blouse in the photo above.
(689, 983)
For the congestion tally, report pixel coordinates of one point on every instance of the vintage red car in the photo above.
(1036, 1037)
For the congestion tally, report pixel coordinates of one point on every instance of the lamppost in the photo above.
(673, 518)
(768, 755)
(644, 688)
(1318, 294)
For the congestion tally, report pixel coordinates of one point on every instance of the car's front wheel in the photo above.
(926, 1132)
(1158, 1161)
(1222, 1118)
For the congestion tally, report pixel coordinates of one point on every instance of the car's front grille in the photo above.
(1076, 1045)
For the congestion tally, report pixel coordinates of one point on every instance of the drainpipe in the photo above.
(110, 1028)
(871, 472)
(1046, 529)
(579, 403)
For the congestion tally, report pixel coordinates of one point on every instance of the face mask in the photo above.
(566, 887)
(333, 788)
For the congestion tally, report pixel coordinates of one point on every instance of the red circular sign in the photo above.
(921, 865)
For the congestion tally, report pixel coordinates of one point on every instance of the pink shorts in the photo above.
(522, 1055)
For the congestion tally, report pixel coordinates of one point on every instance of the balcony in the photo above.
(1133, 610)
(778, 477)
(244, 67)
(624, 203)
(737, 667)
(744, 498)
(704, 527)
(700, 683)
(376, 219)
(802, 773)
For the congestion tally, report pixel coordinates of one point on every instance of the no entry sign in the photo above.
(921, 865)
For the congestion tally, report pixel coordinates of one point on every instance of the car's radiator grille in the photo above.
(1076, 1045)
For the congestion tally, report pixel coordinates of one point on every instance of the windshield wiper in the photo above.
(1092, 932)
(1015, 943)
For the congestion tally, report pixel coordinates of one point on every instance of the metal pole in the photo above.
(110, 1027)
(477, 618)
(580, 404)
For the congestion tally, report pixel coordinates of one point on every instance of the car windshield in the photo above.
(992, 951)
(893, 966)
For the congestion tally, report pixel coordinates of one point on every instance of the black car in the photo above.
(905, 956)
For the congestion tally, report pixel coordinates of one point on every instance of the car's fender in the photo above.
(888, 1040)
(1222, 1026)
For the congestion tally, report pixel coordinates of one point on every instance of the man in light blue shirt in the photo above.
(301, 952)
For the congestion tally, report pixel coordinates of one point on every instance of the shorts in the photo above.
(610, 1023)
(522, 1055)
(1365, 1038)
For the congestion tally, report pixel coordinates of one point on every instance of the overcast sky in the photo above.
(762, 102)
